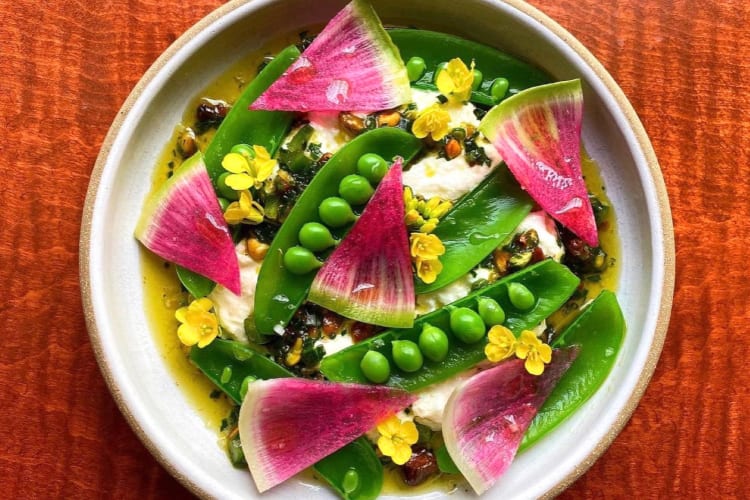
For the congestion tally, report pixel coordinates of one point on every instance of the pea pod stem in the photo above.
(279, 293)
(551, 283)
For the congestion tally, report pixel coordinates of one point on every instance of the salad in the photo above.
(389, 258)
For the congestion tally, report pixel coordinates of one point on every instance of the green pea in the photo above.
(440, 67)
(245, 150)
(350, 483)
(467, 325)
(499, 88)
(433, 342)
(521, 297)
(375, 366)
(245, 385)
(355, 189)
(226, 374)
(315, 237)
(372, 167)
(224, 204)
(336, 212)
(490, 311)
(224, 190)
(300, 260)
(406, 355)
(478, 77)
(415, 68)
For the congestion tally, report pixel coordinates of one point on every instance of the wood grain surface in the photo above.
(68, 65)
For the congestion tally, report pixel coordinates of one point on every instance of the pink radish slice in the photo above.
(368, 277)
(288, 424)
(352, 65)
(183, 223)
(487, 415)
(538, 134)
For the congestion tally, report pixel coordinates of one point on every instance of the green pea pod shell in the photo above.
(478, 224)
(551, 283)
(598, 332)
(436, 48)
(242, 362)
(264, 128)
(280, 292)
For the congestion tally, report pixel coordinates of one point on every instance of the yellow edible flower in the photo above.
(432, 121)
(455, 80)
(426, 246)
(421, 214)
(199, 324)
(502, 343)
(429, 226)
(396, 438)
(534, 351)
(244, 210)
(428, 269)
(245, 171)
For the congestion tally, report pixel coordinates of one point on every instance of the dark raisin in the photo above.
(420, 467)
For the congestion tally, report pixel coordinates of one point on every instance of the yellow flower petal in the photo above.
(235, 163)
(188, 335)
(386, 446)
(203, 304)
(389, 427)
(427, 270)
(534, 365)
(180, 313)
(402, 454)
(545, 352)
(408, 432)
(240, 182)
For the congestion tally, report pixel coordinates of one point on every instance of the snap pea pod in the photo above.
(228, 363)
(550, 282)
(264, 128)
(280, 292)
(436, 48)
(477, 224)
(598, 331)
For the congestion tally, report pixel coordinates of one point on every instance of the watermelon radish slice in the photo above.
(538, 134)
(182, 222)
(352, 65)
(288, 424)
(487, 415)
(368, 277)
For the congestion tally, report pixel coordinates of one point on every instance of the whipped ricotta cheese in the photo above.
(231, 310)
(549, 239)
(335, 344)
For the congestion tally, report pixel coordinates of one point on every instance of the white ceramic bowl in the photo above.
(110, 268)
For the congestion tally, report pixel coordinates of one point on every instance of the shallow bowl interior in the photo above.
(110, 266)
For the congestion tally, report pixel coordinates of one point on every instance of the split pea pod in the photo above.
(227, 364)
(598, 332)
(264, 128)
(436, 48)
(551, 283)
(280, 292)
(477, 224)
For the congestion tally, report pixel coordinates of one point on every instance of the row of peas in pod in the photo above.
(416, 67)
(335, 212)
(466, 325)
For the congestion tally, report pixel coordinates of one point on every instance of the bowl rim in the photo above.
(637, 128)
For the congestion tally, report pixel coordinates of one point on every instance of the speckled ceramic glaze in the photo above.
(110, 267)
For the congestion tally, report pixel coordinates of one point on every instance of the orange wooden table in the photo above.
(68, 65)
